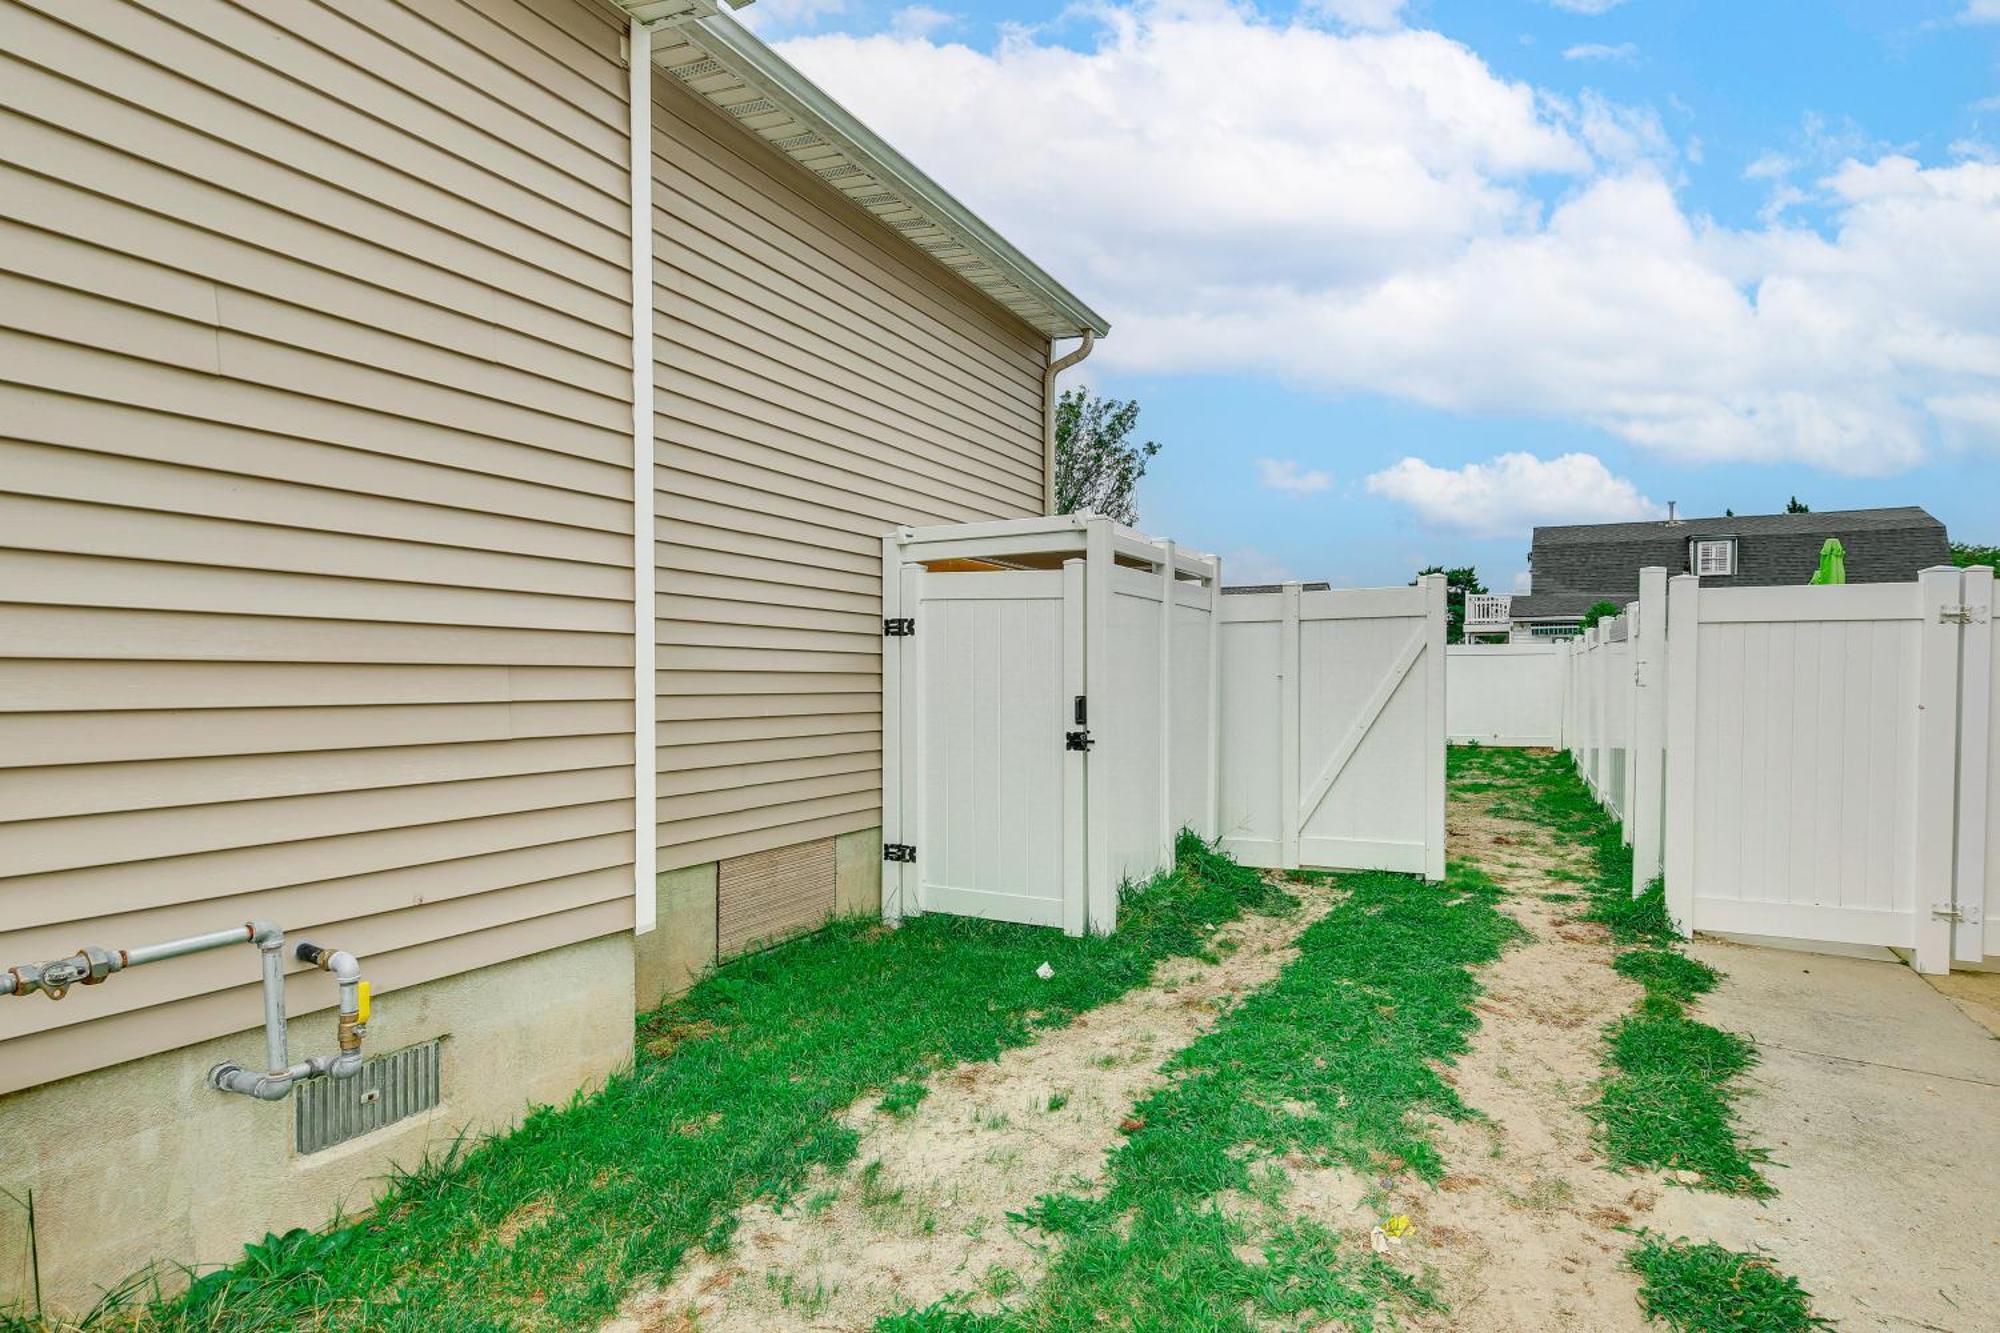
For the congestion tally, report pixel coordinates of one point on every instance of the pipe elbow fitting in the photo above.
(267, 934)
(232, 1077)
(346, 968)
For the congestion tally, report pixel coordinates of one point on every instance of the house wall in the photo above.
(315, 505)
(315, 515)
(820, 382)
(312, 385)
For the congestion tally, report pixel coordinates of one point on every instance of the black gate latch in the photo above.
(1077, 740)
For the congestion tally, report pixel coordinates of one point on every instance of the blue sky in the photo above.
(1394, 281)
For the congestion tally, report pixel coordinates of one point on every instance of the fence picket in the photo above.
(1976, 793)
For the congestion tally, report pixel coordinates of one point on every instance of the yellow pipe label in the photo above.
(366, 1000)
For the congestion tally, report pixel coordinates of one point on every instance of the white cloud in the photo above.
(921, 21)
(1278, 474)
(1623, 51)
(772, 17)
(1360, 13)
(1394, 239)
(1512, 493)
(1980, 11)
(1596, 7)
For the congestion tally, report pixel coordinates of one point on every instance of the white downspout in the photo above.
(1056, 367)
(645, 686)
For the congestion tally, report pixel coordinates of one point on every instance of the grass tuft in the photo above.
(1708, 1289)
(1666, 1103)
(736, 1096)
(1338, 1062)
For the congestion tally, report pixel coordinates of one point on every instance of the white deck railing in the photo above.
(1486, 612)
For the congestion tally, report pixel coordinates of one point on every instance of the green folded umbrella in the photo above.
(1832, 562)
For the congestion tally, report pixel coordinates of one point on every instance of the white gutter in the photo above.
(645, 683)
(1056, 367)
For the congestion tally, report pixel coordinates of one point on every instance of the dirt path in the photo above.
(922, 1213)
(1522, 1231)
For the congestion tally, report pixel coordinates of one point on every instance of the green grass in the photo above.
(1708, 1289)
(1336, 1063)
(1666, 1102)
(736, 1096)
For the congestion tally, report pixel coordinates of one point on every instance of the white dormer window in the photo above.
(1717, 556)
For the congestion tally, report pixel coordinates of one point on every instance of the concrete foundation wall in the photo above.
(142, 1162)
(668, 960)
(857, 873)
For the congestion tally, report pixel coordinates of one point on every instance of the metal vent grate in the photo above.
(388, 1088)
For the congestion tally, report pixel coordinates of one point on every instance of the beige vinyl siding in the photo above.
(314, 496)
(819, 383)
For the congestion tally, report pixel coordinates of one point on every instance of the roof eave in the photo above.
(1011, 278)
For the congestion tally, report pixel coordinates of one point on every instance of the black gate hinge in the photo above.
(898, 627)
(899, 851)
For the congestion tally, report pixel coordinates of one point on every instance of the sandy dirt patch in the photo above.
(922, 1212)
(1522, 1231)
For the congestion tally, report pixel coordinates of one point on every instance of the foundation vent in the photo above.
(389, 1088)
(768, 896)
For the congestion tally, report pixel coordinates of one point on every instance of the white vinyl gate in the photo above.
(1049, 714)
(1333, 728)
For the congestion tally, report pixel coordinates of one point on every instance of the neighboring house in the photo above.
(1575, 566)
(317, 588)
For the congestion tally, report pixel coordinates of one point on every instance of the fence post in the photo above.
(1288, 724)
(1435, 622)
(1649, 719)
(1938, 599)
(1975, 763)
(1596, 657)
(892, 731)
(1102, 890)
(1628, 723)
(1168, 576)
(1683, 637)
(1565, 727)
(1213, 827)
(1076, 763)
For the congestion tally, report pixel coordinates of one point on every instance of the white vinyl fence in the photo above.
(1817, 763)
(1062, 696)
(1048, 716)
(1508, 694)
(1333, 728)
(1977, 936)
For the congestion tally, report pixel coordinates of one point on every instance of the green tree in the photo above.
(1096, 470)
(1964, 555)
(1457, 583)
(1598, 611)
(1797, 506)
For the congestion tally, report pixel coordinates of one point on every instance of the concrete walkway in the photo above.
(1879, 1100)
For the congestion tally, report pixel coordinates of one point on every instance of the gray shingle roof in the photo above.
(1830, 523)
(1240, 588)
(1576, 565)
(1555, 605)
